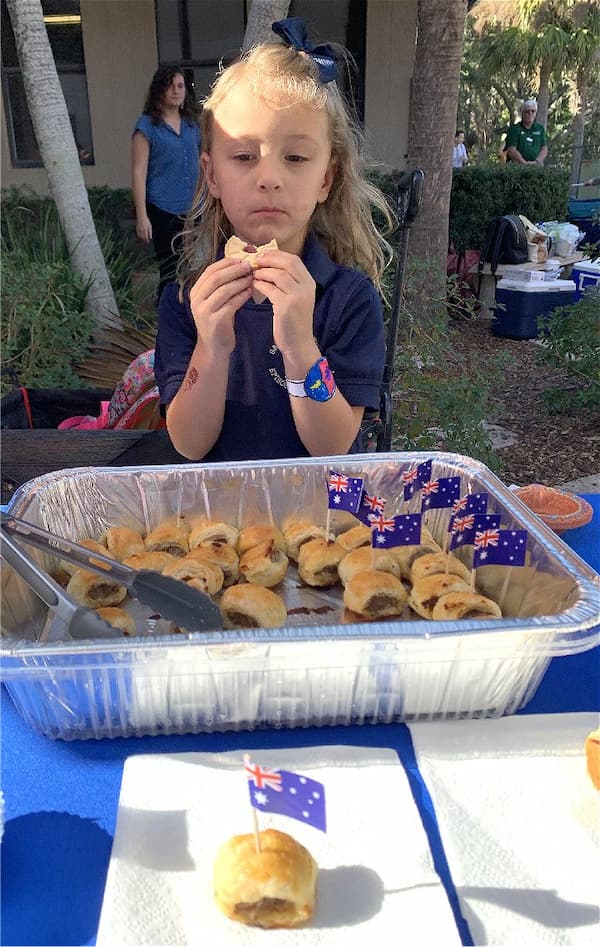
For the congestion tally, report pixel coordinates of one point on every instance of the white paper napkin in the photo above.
(520, 824)
(376, 877)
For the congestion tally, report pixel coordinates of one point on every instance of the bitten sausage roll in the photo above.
(374, 594)
(252, 606)
(264, 564)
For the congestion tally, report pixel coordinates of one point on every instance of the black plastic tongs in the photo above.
(172, 599)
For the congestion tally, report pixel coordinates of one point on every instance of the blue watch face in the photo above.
(319, 383)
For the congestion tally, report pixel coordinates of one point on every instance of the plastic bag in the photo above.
(565, 236)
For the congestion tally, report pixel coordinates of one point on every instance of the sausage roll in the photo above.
(406, 555)
(205, 576)
(169, 537)
(365, 557)
(94, 546)
(95, 591)
(433, 562)
(154, 561)
(122, 541)
(272, 888)
(300, 533)
(425, 592)
(253, 535)
(118, 618)
(464, 605)
(204, 530)
(318, 562)
(252, 606)
(354, 538)
(374, 594)
(247, 251)
(220, 554)
(264, 564)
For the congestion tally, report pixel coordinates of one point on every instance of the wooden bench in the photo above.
(487, 290)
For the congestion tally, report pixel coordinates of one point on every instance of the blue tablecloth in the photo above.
(61, 798)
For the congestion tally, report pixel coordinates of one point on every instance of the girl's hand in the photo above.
(143, 228)
(284, 279)
(215, 297)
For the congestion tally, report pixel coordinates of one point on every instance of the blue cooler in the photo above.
(523, 302)
(584, 275)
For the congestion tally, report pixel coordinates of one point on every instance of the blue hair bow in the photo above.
(293, 32)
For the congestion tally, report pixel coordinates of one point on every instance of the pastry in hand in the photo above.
(273, 888)
(355, 537)
(318, 562)
(299, 533)
(205, 576)
(592, 755)
(220, 554)
(433, 562)
(240, 249)
(95, 591)
(464, 605)
(252, 606)
(365, 557)
(205, 530)
(153, 561)
(253, 535)
(424, 594)
(121, 541)
(171, 537)
(264, 564)
(118, 618)
(375, 594)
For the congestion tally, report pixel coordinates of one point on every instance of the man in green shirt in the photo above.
(526, 141)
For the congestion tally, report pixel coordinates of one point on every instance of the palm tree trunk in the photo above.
(544, 93)
(60, 156)
(433, 110)
(263, 13)
(579, 124)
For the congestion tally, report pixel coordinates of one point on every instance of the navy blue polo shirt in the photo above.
(173, 163)
(258, 421)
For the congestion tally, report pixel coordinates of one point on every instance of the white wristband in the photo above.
(296, 388)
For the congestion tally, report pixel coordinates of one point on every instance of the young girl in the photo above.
(290, 376)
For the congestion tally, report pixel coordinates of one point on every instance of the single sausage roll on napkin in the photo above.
(239, 249)
(252, 606)
(271, 888)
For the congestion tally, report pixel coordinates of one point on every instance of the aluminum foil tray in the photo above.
(319, 669)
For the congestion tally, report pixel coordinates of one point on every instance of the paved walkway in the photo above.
(583, 485)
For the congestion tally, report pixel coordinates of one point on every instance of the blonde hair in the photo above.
(281, 77)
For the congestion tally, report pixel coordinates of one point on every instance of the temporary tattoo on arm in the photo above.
(191, 379)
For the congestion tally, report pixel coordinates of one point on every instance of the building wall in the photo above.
(121, 55)
(119, 39)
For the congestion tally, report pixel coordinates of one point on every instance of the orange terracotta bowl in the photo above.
(559, 510)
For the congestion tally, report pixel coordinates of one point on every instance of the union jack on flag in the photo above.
(508, 549)
(286, 793)
(438, 494)
(487, 537)
(344, 493)
(403, 530)
(465, 527)
(471, 503)
(414, 478)
(370, 505)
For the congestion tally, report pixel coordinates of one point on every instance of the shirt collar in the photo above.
(317, 262)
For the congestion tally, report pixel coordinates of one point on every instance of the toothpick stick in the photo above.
(328, 525)
(254, 816)
(504, 589)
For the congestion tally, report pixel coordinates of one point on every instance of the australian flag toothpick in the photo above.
(466, 525)
(500, 547)
(344, 493)
(387, 532)
(414, 478)
(440, 493)
(470, 503)
(286, 793)
(370, 505)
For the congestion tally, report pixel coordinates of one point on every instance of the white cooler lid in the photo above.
(587, 266)
(548, 286)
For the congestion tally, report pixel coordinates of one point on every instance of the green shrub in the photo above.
(478, 194)
(571, 336)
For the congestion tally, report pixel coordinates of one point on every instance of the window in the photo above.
(197, 35)
(63, 23)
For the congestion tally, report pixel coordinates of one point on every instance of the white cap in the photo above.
(529, 104)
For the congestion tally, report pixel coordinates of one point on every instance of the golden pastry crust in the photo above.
(264, 564)
(118, 618)
(375, 594)
(252, 606)
(355, 538)
(464, 605)
(299, 533)
(121, 541)
(207, 530)
(206, 576)
(251, 536)
(406, 555)
(592, 756)
(95, 591)
(433, 562)
(241, 250)
(219, 554)
(154, 561)
(318, 562)
(94, 546)
(169, 537)
(425, 592)
(367, 558)
(273, 888)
